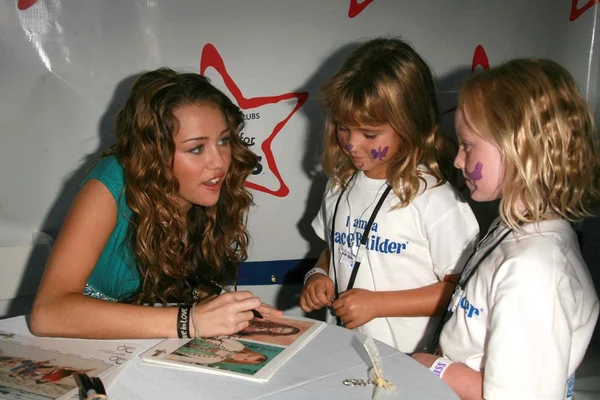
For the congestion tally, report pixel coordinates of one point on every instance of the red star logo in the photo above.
(25, 4)
(576, 12)
(480, 59)
(211, 58)
(357, 6)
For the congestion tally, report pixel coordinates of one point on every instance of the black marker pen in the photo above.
(213, 288)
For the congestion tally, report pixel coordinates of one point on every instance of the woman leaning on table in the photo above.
(165, 205)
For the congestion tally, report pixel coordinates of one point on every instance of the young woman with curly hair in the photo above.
(165, 207)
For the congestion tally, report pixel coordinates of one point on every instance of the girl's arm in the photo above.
(466, 382)
(61, 309)
(419, 302)
(356, 307)
(323, 261)
(319, 288)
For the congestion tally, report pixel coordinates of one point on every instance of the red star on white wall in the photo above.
(211, 58)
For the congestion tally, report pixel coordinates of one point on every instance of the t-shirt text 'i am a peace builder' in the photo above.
(374, 241)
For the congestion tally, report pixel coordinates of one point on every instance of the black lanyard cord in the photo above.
(332, 250)
(462, 284)
(363, 240)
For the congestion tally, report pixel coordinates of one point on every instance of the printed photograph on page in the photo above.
(109, 351)
(272, 330)
(225, 353)
(29, 373)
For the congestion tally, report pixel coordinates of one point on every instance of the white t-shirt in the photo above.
(408, 247)
(527, 314)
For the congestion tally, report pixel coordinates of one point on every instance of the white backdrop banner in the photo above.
(67, 66)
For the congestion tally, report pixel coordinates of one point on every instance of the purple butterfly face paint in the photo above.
(343, 144)
(475, 175)
(379, 154)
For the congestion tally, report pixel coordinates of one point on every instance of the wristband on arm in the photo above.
(313, 271)
(440, 366)
(183, 321)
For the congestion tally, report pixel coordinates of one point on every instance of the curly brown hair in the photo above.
(386, 81)
(532, 110)
(217, 239)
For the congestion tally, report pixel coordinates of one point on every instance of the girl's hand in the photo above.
(225, 314)
(317, 293)
(356, 307)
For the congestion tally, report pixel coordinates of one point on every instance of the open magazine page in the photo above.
(254, 353)
(43, 368)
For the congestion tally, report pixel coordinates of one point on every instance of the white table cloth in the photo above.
(315, 372)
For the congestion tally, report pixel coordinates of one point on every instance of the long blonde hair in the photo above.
(534, 113)
(217, 237)
(386, 81)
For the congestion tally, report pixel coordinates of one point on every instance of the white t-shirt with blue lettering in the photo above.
(527, 314)
(408, 247)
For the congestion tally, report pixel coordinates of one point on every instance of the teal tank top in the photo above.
(115, 276)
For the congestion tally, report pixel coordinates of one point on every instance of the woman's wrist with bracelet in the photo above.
(183, 321)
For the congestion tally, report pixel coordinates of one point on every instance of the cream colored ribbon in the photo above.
(376, 373)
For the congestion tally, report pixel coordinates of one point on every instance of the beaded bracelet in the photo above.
(196, 334)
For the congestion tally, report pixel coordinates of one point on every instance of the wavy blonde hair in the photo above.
(217, 237)
(534, 113)
(386, 81)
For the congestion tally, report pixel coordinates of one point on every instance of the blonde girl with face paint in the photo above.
(520, 326)
(382, 156)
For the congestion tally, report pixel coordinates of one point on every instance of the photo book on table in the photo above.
(254, 353)
(34, 368)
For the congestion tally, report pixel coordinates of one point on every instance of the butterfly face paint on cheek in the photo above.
(379, 154)
(343, 144)
(341, 140)
(475, 175)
